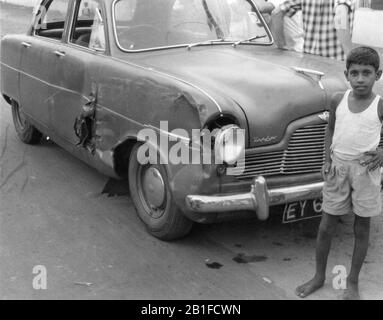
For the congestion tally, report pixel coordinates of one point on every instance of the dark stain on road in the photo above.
(214, 265)
(242, 258)
(115, 188)
(276, 243)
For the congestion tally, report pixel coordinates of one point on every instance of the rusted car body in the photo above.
(92, 97)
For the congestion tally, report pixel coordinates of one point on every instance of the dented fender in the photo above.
(130, 99)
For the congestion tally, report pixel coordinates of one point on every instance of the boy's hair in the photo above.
(364, 56)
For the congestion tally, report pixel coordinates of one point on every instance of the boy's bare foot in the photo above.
(309, 287)
(352, 291)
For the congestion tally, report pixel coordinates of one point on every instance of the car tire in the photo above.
(152, 197)
(25, 131)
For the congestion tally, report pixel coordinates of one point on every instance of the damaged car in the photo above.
(93, 74)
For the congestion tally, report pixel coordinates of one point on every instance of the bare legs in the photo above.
(325, 233)
(362, 235)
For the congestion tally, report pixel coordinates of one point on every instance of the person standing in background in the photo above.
(265, 8)
(327, 25)
(86, 11)
(363, 4)
(288, 31)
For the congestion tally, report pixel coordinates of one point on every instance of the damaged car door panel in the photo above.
(84, 125)
(93, 79)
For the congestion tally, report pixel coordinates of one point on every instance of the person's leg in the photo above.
(362, 235)
(325, 233)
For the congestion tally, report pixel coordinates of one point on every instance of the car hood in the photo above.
(259, 80)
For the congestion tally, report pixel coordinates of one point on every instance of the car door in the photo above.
(83, 52)
(41, 50)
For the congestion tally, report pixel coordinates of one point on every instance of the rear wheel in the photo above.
(25, 131)
(152, 197)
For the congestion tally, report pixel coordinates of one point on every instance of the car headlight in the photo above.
(229, 144)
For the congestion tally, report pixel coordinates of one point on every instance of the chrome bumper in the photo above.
(259, 199)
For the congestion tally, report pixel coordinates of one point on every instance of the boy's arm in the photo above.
(335, 100)
(380, 110)
(376, 159)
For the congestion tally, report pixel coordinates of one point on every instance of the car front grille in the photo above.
(305, 154)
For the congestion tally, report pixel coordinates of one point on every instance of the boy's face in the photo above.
(362, 78)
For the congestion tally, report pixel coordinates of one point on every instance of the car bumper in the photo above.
(259, 199)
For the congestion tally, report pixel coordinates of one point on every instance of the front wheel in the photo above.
(152, 197)
(25, 131)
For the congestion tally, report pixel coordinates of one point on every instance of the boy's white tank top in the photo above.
(356, 133)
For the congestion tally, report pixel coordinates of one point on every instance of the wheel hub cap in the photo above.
(154, 188)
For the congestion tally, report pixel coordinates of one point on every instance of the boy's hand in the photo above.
(375, 161)
(326, 168)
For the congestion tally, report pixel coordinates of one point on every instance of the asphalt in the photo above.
(53, 213)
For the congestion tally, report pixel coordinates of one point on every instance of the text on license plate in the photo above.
(301, 210)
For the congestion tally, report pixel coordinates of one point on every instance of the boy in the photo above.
(352, 168)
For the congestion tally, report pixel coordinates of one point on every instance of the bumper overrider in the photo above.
(259, 199)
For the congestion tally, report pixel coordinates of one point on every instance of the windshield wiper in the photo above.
(204, 42)
(248, 40)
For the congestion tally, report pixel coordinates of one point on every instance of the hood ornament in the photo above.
(313, 74)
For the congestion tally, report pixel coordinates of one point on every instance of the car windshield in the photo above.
(148, 24)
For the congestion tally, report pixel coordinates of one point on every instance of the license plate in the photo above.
(302, 210)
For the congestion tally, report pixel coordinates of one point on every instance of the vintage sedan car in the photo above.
(94, 74)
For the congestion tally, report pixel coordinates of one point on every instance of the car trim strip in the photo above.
(132, 64)
(43, 81)
(175, 78)
(145, 125)
(170, 134)
(101, 106)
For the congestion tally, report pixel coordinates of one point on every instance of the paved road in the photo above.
(52, 213)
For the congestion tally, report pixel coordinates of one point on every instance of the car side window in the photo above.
(88, 28)
(50, 19)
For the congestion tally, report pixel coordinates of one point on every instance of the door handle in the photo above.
(26, 44)
(59, 53)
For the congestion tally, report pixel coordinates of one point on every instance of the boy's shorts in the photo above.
(351, 187)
